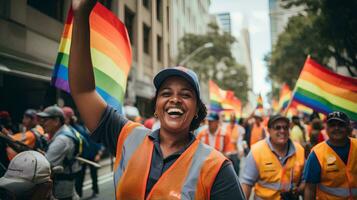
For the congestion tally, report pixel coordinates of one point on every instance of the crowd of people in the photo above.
(59, 138)
(181, 153)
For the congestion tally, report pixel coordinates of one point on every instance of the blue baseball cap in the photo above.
(213, 116)
(180, 71)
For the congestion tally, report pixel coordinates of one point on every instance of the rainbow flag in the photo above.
(326, 91)
(275, 106)
(232, 104)
(285, 96)
(216, 96)
(111, 55)
(302, 108)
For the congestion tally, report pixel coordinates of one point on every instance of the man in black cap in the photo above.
(331, 168)
(274, 165)
(61, 151)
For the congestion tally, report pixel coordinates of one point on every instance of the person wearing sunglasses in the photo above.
(274, 165)
(331, 168)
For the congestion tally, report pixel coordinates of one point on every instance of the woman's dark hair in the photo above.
(196, 121)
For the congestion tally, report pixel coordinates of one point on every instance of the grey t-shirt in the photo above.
(226, 185)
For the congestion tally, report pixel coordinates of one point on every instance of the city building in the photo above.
(225, 22)
(187, 16)
(241, 51)
(30, 31)
(279, 18)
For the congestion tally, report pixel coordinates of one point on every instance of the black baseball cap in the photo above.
(338, 116)
(275, 118)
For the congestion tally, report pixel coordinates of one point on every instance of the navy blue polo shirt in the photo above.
(225, 186)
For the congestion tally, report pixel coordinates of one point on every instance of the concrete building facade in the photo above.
(30, 31)
(187, 16)
(279, 17)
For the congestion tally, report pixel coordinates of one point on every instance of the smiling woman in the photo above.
(168, 163)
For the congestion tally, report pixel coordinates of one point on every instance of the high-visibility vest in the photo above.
(222, 141)
(256, 134)
(233, 131)
(190, 177)
(338, 180)
(273, 177)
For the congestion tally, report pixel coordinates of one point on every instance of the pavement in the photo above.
(105, 182)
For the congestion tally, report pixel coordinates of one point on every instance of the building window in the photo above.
(129, 20)
(146, 4)
(106, 3)
(52, 8)
(158, 10)
(146, 35)
(159, 48)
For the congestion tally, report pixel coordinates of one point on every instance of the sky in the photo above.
(254, 15)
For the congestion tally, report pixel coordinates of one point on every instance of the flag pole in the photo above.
(292, 95)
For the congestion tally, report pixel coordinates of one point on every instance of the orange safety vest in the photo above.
(256, 134)
(190, 177)
(273, 177)
(233, 132)
(222, 139)
(338, 181)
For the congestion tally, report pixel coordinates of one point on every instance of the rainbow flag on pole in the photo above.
(216, 96)
(285, 96)
(232, 104)
(111, 55)
(326, 91)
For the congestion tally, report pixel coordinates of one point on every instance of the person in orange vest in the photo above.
(257, 131)
(274, 165)
(167, 163)
(32, 135)
(215, 135)
(331, 168)
(236, 132)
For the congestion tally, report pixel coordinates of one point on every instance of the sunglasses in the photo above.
(278, 127)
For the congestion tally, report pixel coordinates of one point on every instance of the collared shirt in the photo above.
(250, 173)
(225, 186)
(159, 164)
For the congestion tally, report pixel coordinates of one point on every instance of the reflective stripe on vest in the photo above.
(219, 137)
(131, 143)
(189, 187)
(337, 178)
(273, 186)
(274, 177)
(191, 176)
(340, 192)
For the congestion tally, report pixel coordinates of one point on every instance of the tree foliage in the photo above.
(215, 63)
(326, 30)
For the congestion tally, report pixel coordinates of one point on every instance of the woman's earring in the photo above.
(155, 114)
(196, 116)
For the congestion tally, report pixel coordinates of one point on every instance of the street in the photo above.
(105, 182)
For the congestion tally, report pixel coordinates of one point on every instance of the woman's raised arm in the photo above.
(81, 74)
